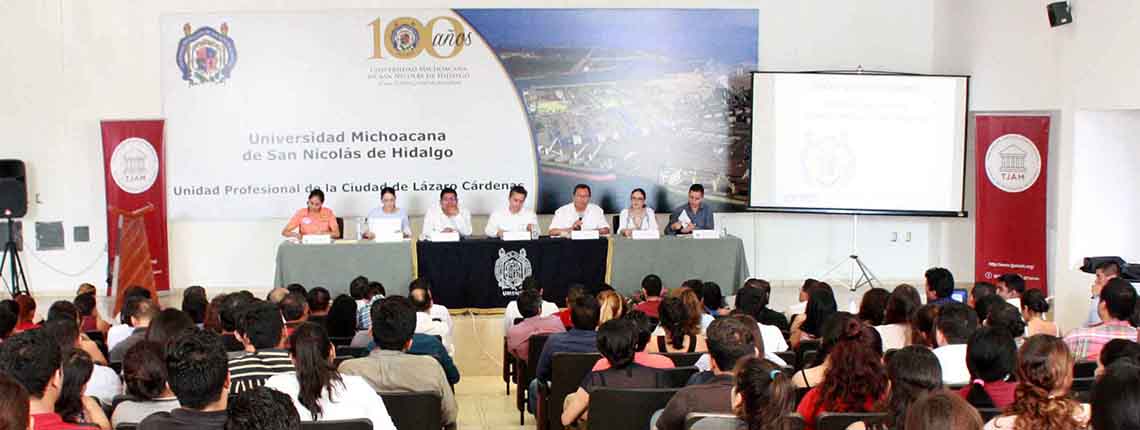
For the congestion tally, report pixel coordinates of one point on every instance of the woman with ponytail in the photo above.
(1042, 400)
(1033, 308)
(762, 394)
(319, 392)
(855, 379)
(990, 356)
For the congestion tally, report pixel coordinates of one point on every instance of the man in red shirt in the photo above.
(33, 359)
(651, 288)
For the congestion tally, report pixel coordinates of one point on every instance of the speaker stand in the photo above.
(19, 284)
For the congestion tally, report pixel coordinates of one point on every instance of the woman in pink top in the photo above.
(315, 219)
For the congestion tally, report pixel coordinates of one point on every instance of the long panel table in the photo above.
(474, 274)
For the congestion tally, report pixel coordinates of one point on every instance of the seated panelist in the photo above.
(314, 219)
(637, 216)
(579, 215)
(512, 218)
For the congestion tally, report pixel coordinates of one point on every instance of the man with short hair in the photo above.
(1105, 271)
(651, 287)
(939, 287)
(229, 316)
(263, 408)
(518, 335)
(319, 301)
(980, 291)
(579, 215)
(358, 289)
(123, 329)
(389, 368)
(1010, 286)
(103, 383)
(33, 359)
(138, 311)
(511, 313)
(198, 376)
(431, 319)
(512, 218)
(262, 330)
(295, 310)
(761, 294)
(729, 340)
(1117, 302)
(694, 215)
(954, 325)
(581, 337)
(448, 217)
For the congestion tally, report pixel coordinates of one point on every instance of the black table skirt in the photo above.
(463, 274)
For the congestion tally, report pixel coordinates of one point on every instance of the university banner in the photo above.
(263, 107)
(1009, 226)
(136, 205)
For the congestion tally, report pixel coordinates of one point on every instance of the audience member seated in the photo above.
(262, 409)
(922, 329)
(643, 328)
(529, 305)
(943, 410)
(691, 298)
(199, 378)
(27, 313)
(895, 330)
(73, 406)
(213, 319)
(66, 311)
(820, 306)
(229, 316)
(1008, 318)
(123, 328)
(1114, 350)
(144, 375)
(194, 304)
(1117, 302)
(341, 320)
(1116, 395)
(985, 304)
(7, 322)
(800, 307)
(1043, 401)
(1010, 286)
(276, 295)
(318, 391)
(431, 319)
(573, 293)
(295, 310)
(422, 344)
(512, 312)
(753, 299)
(296, 288)
(713, 298)
(617, 342)
(955, 323)
(319, 301)
(729, 340)
(980, 291)
(855, 379)
(580, 338)
(991, 356)
(873, 306)
(390, 369)
(759, 340)
(1033, 309)
(680, 332)
(762, 395)
(651, 289)
(169, 323)
(358, 289)
(611, 305)
(939, 287)
(913, 372)
(33, 359)
(90, 320)
(104, 383)
(834, 333)
(14, 403)
(261, 330)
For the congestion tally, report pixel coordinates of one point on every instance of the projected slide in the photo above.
(858, 143)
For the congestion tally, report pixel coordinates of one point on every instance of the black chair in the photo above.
(800, 393)
(340, 227)
(617, 224)
(568, 369)
(1082, 388)
(117, 367)
(623, 409)
(508, 366)
(678, 376)
(682, 359)
(795, 421)
(806, 353)
(788, 357)
(127, 426)
(526, 371)
(350, 352)
(988, 413)
(710, 421)
(341, 341)
(1084, 369)
(840, 420)
(356, 424)
(417, 410)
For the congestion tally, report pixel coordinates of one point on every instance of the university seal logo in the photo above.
(206, 55)
(134, 165)
(510, 270)
(1013, 163)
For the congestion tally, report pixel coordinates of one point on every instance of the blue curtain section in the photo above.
(618, 99)
(463, 274)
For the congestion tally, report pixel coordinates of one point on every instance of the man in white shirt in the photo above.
(579, 215)
(514, 217)
(431, 319)
(1011, 286)
(448, 217)
(512, 312)
(955, 323)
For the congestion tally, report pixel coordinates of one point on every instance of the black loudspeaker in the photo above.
(13, 188)
(1060, 13)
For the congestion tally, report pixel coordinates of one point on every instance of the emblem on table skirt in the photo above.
(510, 270)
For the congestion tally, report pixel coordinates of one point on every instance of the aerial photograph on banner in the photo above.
(624, 99)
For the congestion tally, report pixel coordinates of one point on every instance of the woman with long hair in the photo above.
(318, 391)
(27, 312)
(820, 306)
(145, 379)
(914, 372)
(855, 379)
(833, 334)
(1005, 316)
(341, 321)
(991, 357)
(922, 326)
(612, 306)
(691, 297)
(72, 405)
(194, 303)
(1033, 309)
(213, 320)
(873, 306)
(762, 394)
(1042, 399)
(901, 304)
(681, 333)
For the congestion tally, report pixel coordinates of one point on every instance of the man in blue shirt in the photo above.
(692, 216)
(580, 338)
(939, 286)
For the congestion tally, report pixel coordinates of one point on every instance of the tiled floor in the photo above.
(484, 404)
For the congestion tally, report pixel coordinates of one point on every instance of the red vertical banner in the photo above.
(134, 177)
(1009, 226)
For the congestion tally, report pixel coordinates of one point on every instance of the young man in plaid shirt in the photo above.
(1117, 302)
